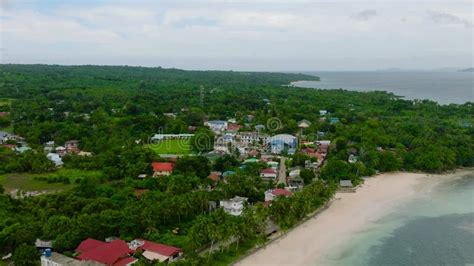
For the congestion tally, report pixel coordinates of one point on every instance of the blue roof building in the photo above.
(281, 142)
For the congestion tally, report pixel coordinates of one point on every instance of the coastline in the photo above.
(313, 241)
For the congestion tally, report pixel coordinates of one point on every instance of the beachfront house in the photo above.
(234, 206)
(156, 252)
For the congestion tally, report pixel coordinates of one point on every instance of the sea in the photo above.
(443, 87)
(437, 229)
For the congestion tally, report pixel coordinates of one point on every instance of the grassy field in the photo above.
(5, 101)
(45, 181)
(172, 146)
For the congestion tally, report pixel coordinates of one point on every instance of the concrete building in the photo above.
(234, 206)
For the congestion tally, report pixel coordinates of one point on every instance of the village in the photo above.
(272, 153)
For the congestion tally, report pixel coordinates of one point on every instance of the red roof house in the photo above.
(89, 244)
(214, 176)
(273, 193)
(125, 261)
(281, 192)
(116, 252)
(162, 168)
(155, 251)
(233, 127)
(3, 114)
(268, 173)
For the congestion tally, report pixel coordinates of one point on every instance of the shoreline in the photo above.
(312, 241)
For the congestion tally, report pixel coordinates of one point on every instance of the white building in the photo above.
(56, 259)
(268, 174)
(234, 206)
(281, 142)
(323, 112)
(218, 126)
(55, 158)
(159, 137)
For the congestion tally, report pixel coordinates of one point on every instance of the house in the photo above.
(56, 259)
(61, 150)
(114, 253)
(233, 127)
(273, 164)
(4, 136)
(85, 153)
(228, 173)
(323, 112)
(269, 174)
(295, 183)
(251, 160)
(49, 146)
(304, 123)
(55, 158)
(215, 176)
(72, 146)
(155, 251)
(271, 194)
(162, 168)
(227, 138)
(216, 125)
(234, 206)
(295, 173)
(333, 120)
(4, 114)
(282, 142)
(170, 115)
(10, 146)
(22, 149)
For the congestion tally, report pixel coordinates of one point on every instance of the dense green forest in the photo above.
(113, 111)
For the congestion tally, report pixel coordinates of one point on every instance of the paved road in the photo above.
(282, 171)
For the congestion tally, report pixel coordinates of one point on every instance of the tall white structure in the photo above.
(234, 206)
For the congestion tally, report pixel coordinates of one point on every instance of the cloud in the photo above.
(365, 15)
(449, 19)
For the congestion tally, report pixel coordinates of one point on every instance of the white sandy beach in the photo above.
(311, 242)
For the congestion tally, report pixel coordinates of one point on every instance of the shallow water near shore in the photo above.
(434, 229)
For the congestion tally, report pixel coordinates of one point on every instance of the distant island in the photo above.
(470, 69)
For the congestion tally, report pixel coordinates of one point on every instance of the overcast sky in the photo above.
(240, 35)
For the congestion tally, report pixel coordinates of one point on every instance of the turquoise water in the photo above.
(435, 230)
(442, 87)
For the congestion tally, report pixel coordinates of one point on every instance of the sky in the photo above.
(256, 35)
